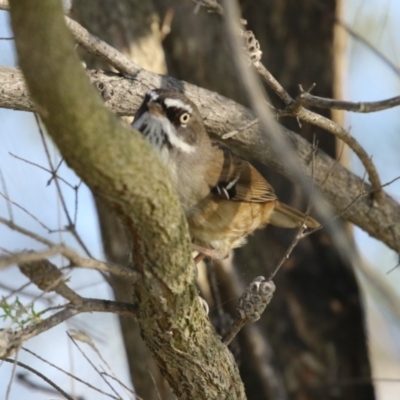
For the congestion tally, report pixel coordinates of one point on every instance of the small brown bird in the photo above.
(223, 196)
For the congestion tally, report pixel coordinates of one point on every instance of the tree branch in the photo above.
(222, 115)
(36, 372)
(11, 341)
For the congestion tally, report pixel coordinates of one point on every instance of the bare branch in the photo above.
(322, 6)
(73, 337)
(20, 364)
(71, 227)
(11, 341)
(67, 373)
(72, 256)
(334, 128)
(26, 232)
(308, 99)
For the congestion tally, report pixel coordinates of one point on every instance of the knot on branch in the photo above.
(43, 274)
(255, 298)
(105, 89)
(252, 47)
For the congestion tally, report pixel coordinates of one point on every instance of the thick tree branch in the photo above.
(121, 169)
(222, 115)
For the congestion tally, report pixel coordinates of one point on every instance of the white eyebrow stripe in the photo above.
(153, 95)
(174, 139)
(178, 103)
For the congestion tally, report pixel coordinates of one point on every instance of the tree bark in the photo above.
(132, 27)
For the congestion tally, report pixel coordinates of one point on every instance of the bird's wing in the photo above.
(233, 178)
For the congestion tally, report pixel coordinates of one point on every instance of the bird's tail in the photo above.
(285, 216)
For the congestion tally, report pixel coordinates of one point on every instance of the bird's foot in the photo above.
(206, 252)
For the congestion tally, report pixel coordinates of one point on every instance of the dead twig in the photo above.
(73, 257)
(71, 224)
(27, 367)
(11, 340)
(76, 336)
(294, 108)
(235, 132)
(308, 99)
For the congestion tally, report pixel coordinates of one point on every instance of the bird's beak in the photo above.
(155, 109)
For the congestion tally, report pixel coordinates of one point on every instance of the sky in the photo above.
(368, 78)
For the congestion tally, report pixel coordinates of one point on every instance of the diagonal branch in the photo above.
(11, 341)
(222, 115)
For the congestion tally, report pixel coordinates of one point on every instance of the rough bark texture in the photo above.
(132, 27)
(109, 157)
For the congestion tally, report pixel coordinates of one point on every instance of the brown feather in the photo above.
(247, 184)
(285, 216)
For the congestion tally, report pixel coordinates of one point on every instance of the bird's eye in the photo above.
(184, 118)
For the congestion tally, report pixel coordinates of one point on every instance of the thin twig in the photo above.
(85, 338)
(71, 255)
(20, 364)
(323, 7)
(67, 373)
(11, 341)
(13, 291)
(235, 132)
(26, 232)
(122, 384)
(359, 107)
(294, 108)
(71, 227)
(236, 327)
(9, 386)
(334, 128)
(45, 169)
(4, 185)
(28, 213)
(303, 227)
(94, 367)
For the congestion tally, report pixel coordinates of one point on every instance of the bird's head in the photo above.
(170, 120)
